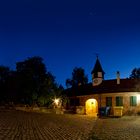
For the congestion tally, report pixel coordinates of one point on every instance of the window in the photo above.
(108, 101)
(133, 100)
(119, 101)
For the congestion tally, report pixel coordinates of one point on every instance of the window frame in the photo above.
(133, 100)
(109, 101)
(119, 100)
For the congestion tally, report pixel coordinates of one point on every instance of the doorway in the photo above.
(92, 107)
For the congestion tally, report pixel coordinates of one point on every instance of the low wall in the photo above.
(40, 109)
(80, 110)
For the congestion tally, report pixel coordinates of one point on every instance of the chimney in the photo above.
(118, 77)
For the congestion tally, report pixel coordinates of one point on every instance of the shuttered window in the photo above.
(108, 101)
(119, 101)
(133, 100)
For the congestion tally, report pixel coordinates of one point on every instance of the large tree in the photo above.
(35, 83)
(30, 83)
(135, 73)
(78, 78)
(4, 75)
(47, 90)
(31, 75)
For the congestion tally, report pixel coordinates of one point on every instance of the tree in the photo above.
(78, 78)
(4, 74)
(31, 76)
(35, 84)
(11, 86)
(47, 90)
(51, 90)
(29, 84)
(135, 73)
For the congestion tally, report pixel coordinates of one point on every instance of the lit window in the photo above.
(133, 100)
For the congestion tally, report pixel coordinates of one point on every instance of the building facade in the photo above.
(123, 94)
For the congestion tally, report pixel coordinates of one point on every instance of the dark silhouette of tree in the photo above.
(69, 83)
(47, 90)
(29, 84)
(78, 78)
(4, 74)
(135, 73)
(31, 75)
(11, 86)
(35, 84)
(51, 90)
(8, 84)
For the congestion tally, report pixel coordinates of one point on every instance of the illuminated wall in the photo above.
(93, 102)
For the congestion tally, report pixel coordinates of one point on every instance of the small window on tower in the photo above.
(100, 74)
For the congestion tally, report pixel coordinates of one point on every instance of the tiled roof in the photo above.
(107, 86)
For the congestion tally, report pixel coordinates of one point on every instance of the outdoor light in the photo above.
(91, 107)
(92, 102)
(56, 101)
(138, 98)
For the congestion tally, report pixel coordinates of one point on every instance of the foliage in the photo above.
(31, 75)
(4, 74)
(29, 84)
(78, 78)
(135, 73)
(47, 90)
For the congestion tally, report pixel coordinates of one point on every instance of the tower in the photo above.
(97, 73)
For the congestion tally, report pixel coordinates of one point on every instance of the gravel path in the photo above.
(125, 128)
(17, 125)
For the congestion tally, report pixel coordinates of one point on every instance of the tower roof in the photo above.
(97, 68)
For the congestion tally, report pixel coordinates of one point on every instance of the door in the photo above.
(92, 107)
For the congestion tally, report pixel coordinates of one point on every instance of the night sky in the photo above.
(69, 33)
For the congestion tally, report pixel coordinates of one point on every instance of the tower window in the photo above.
(100, 74)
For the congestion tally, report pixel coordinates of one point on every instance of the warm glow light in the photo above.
(56, 101)
(90, 103)
(138, 98)
(91, 107)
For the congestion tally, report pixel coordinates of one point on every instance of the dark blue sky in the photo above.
(69, 33)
